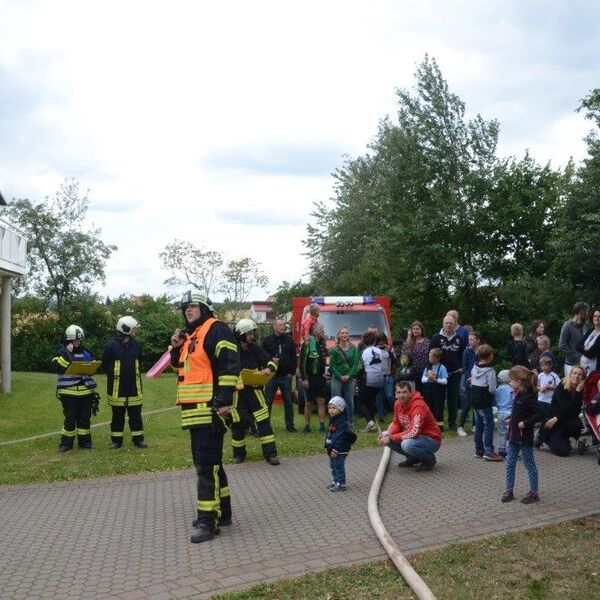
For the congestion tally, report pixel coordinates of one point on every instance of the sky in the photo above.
(221, 123)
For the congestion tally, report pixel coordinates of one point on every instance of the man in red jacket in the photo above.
(414, 431)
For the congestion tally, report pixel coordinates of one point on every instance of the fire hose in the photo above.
(418, 586)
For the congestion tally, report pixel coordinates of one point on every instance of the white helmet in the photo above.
(194, 296)
(74, 332)
(126, 325)
(245, 326)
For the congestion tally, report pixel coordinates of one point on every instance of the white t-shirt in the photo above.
(547, 379)
(372, 358)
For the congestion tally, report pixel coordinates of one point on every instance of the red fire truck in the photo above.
(355, 312)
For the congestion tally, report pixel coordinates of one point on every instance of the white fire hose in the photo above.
(418, 586)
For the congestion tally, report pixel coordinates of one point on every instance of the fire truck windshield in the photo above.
(357, 321)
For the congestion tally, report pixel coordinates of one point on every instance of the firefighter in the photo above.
(206, 359)
(76, 392)
(250, 400)
(121, 363)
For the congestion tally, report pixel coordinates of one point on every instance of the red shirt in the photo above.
(412, 420)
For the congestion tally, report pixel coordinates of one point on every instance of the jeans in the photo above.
(465, 397)
(484, 430)
(421, 447)
(453, 398)
(338, 468)
(284, 383)
(345, 389)
(528, 461)
(385, 398)
(502, 430)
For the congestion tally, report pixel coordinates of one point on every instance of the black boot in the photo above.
(115, 445)
(204, 533)
(139, 443)
(63, 448)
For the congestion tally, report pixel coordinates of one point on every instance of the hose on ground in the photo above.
(417, 585)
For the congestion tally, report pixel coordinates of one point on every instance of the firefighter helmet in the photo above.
(74, 332)
(244, 326)
(194, 296)
(126, 325)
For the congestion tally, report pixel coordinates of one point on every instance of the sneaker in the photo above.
(322, 427)
(426, 465)
(508, 496)
(492, 457)
(338, 487)
(409, 462)
(502, 453)
(291, 429)
(461, 432)
(478, 454)
(531, 498)
(306, 429)
(332, 484)
(370, 427)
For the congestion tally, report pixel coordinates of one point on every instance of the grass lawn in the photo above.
(32, 409)
(559, 561)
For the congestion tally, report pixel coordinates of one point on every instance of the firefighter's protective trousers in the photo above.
(248, 402)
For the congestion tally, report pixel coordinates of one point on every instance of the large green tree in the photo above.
(65, 258)
(431, 216)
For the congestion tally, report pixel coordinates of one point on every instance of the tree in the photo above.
(286, 291)
(239, 278)
(64, 260)
(576, 239)
(192, 266)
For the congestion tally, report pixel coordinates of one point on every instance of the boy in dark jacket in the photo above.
(338, 441)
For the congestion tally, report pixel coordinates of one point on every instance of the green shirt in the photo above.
(344, 362)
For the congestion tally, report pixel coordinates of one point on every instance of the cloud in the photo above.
(236, 216)
(300, 159)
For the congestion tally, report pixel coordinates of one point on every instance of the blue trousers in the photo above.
(484, 430)
(421, 447)
(338, 468)
(528, 461)
(345, 389)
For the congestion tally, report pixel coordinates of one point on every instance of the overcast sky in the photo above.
(221, 123)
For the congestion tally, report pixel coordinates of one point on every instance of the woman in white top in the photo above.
(590, 346)
(372, 359)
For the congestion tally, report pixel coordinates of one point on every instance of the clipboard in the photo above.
(83, 368)
(255, 378)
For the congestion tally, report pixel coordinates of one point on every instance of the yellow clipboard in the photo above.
(255, 378)
(83, 368)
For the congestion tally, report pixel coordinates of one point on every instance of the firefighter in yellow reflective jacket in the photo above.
(250, 401)
(206, 359)
(121, 363)
(76, 392)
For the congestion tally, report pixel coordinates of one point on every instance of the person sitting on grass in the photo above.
(414, 432)
(338, 441)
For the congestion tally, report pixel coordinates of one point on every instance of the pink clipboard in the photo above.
(160, 365)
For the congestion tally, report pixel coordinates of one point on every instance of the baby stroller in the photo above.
(591, 415)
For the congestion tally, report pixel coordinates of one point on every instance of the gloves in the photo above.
(95, 403)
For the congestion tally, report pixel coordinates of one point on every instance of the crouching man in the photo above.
(414, 431)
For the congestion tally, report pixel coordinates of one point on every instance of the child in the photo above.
(468, 362)
(404, 371)
(307, 324)
(504, 400)
(517, 349)
(547, 382)
(338, 441)
(434, 380)
(525, 413)
(483, 386)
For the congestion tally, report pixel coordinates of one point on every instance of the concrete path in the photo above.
(128, 537)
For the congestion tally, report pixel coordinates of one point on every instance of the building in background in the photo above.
(13, 255)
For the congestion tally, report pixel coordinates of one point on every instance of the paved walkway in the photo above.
(127, 537)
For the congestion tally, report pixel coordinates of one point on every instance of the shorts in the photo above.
(317, 388)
